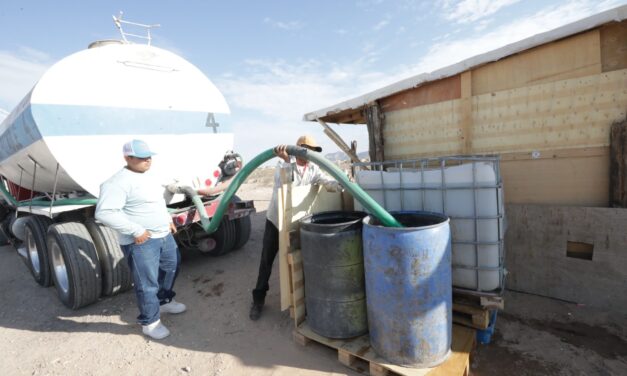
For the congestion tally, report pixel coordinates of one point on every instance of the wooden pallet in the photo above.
(357, 354)
(471, 316)
(475, 311)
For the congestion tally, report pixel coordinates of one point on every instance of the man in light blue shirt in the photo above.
(131, 202)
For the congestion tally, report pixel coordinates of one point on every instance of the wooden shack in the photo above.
(546, 105)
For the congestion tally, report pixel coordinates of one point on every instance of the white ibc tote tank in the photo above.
(470, 194)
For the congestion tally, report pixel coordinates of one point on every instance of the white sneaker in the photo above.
(173, 307)
(156, 330)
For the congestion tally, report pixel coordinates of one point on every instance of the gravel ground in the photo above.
(40, 336)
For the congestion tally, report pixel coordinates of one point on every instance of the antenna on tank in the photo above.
(119, 22)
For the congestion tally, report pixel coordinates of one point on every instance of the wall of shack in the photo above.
(547, 111)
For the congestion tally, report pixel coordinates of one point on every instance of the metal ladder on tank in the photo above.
(119, 22)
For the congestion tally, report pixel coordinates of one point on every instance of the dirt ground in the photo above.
(39, 336)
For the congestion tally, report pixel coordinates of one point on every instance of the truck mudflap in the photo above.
(188, 215)
(233, 231)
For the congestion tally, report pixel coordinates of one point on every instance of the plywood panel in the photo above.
(424, 130)
(575, 56)
(432, 92)
(294, 204)
(614, 46)
(466, 111)
(560, 181)
(565, 114)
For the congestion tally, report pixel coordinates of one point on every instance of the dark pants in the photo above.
(154, 265)
(268, 254)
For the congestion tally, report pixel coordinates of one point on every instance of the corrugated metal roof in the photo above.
(617, 14)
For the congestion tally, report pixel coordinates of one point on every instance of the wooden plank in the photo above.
(572, 57)
(618, 165)
(349, 116)
(431, 92)
(471, 321)
(375, 132)
(351, 350)
(565, 114)
(294, 203)
(466, 111)
(377, 370)
(614, 46)
(492, 302)
(479, 316)
(424, 131)
(339, 142)
(284, 208)
(599, 151)
(299, 338)
(346, 358)
(298, 286)
(559, 181)
(568, 114)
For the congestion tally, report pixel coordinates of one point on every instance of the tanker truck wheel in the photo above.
(116, 275)
(35, 229)
(4, 232)
(74, 264)
(5, 238)
(242, 231)
(224, 237)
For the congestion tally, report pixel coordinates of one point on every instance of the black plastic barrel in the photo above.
(334, 273)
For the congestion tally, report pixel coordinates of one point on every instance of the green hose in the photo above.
(371, 205)
(7, 195)
(62, 202)
(211, 226)
(39, 202)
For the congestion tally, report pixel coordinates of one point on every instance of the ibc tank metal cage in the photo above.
(469, 190)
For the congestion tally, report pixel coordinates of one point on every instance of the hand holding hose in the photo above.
(281, 152)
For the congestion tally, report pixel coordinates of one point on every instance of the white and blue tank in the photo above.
(69, 129)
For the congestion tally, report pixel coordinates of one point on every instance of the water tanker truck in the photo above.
(65, 138)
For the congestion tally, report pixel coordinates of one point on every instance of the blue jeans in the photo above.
(154, 265)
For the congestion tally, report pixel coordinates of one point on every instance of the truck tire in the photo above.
(4, 233)
(4, 223)
(74, 263)
(242, 231)
(37, 259)
(116, 275)
(224, 237)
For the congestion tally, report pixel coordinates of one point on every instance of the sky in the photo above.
(276, 60)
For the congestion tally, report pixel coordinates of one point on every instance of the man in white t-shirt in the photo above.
(303, 173)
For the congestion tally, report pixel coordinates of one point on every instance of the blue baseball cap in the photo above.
(137, 149)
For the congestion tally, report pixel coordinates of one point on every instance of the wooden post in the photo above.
(354, 149)
(284, 208)
(618, 165)
(338, 141)
(466, 111)
(375, 132)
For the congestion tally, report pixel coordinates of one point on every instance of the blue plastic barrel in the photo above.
(409, 288)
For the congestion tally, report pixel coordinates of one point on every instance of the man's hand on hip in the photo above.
(142, 238)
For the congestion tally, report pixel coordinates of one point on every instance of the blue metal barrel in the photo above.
(333, 263)
(409, 288)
